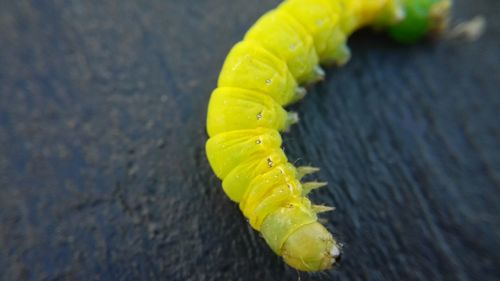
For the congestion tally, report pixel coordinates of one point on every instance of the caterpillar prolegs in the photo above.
(265, 72)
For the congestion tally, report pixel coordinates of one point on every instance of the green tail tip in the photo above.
(422, 18)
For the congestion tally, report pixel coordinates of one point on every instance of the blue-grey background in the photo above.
(102, 168)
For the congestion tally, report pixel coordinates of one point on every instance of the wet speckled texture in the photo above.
(102, 129)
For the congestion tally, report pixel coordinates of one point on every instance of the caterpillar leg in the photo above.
(306, 170)
(310, 186)
(319, 74)
(291, 119)
(300, 93)
(342, 54)
(322, 209)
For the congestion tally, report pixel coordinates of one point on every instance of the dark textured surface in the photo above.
(102, 168)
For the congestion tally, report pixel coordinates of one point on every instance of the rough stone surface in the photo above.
(102, 168)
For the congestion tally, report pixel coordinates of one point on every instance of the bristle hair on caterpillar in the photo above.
(267, 71)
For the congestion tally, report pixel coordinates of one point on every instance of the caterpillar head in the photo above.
(311, 248)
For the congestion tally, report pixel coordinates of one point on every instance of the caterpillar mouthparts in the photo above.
(265, 72)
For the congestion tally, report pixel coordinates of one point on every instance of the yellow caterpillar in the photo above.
(260, 76)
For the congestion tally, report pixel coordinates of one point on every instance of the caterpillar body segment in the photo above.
(227, 150)
(252, 109)
(391, 14)
(267, 198)
(286, 38)
(320, 19)
(275, 199)
(252, 67)
(238, 180)
(262, 184)
(279, 225)
(265, 72)
(362, 13)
